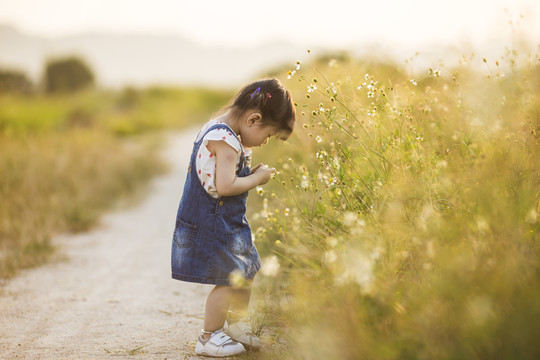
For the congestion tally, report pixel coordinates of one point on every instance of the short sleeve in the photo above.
(206, 161)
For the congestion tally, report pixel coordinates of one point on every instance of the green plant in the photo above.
(407, 225)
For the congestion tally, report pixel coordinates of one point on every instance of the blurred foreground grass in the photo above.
(403, 223)
(64, 159)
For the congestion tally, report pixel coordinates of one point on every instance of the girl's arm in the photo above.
(227, 183)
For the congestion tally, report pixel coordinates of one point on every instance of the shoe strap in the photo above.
(219, 338)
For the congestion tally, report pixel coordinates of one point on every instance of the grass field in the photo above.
(64, 159)
(403, 223)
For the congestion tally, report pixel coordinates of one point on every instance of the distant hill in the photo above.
(142, 59)
(138, 59)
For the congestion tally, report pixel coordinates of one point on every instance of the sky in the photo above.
(331, 23)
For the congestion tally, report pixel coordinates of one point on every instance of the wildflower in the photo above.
(350, 218)
(237, 279)
(264, 212)
(332, 89)
(482, 225)
(304, 184)
(260, 190)
(332, 63)
(329, 257)
(318, 139)
(434, 73)
(312, 88)
(359, 271)
(290, 74)
(376, 253)
(298, 64)
(413, 82)
(441, 164)
(270, 266)
(286, 211)
(320, 154)
(532, 216)
(332, 241)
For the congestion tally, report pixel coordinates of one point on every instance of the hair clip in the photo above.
(267, 97)
(255, 92)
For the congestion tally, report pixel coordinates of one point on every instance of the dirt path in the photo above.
(112, 297)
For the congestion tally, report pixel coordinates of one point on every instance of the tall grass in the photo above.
(65, 159)
(403, 223)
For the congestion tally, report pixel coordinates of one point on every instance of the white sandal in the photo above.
(218, 345)
(240, 330)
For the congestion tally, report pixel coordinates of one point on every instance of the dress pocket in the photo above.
(240, 241)
(184, 233)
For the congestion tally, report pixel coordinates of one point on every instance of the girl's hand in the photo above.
(227, 183)
(263, 172)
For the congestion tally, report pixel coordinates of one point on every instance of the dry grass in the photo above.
(405, 213)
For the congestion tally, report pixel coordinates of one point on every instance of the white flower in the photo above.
(260, 190)
(304, 184)
(413, 82)
(312, 88)
(291, 74)
(434, 73)
(237, 279)
(350, 218)
(359, 271)
(321, 154)
(270, 266)
(318, 139)
(329, 257)
(332, 89)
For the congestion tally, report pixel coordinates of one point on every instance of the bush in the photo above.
(67, 75)
(13, 81)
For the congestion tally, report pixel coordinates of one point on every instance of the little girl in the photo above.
(212, 239)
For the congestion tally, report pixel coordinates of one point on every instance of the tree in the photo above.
(67, 75)
(13, 81)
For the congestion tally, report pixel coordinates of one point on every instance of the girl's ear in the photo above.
(254, 118)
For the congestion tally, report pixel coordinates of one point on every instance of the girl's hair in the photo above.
(273, 100)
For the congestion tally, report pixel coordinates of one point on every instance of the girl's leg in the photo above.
(222, 299)
(217, 305)
(240, 302)
(239, 324)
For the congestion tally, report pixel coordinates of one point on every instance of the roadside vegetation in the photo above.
(69, 151)
(403, 222)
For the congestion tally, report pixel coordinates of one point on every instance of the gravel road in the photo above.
(111, 295)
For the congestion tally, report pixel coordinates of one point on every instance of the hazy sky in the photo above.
(246, 22)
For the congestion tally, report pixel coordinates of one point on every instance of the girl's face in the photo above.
(254, 133)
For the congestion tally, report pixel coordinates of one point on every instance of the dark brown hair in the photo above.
(273, 100)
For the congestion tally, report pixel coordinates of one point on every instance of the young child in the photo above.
(212, 239)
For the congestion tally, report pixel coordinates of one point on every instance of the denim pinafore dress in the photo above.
(212, 237)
